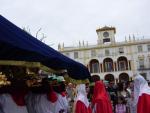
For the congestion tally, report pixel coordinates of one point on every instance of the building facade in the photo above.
(111, 60)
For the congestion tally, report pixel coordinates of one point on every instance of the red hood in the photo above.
(52, 96)
(99, 92)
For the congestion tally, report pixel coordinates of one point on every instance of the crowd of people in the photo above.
(57, 96)
(122, 97)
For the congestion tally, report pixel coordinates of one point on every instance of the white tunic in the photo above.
(9, 106)
(1, 108)
(30, 102)
(43, 105)
(62, 103)
(38, 103)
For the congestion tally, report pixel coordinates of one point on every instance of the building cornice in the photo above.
(119, 44)
(106, 28)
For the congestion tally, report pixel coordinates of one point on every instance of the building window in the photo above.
(141, 63)
(121, 50)
(76, 55)
(95, 68)
(140, 48)
(93, 53)
(107, 52)
(122, 65)
(106, 40)
(148, 48)
(108, 66)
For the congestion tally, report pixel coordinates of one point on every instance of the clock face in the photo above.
(106, 34)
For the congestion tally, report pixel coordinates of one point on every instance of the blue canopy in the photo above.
(18, 45)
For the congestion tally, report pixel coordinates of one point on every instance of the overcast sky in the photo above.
(69, 21)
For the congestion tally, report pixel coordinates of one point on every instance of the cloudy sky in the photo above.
(69, 21)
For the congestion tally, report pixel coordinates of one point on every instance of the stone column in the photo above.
(114, 66)
(128, 65)
(102, 67)
(117, 68)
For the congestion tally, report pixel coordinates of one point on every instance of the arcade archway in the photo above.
(109, 77)
(123, 77)
(94, 66)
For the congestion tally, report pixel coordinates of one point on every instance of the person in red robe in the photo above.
(100, 100)
(81, 102)
(141, 95)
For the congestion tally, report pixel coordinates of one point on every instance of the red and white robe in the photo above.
(81, 102)
(11, 105)
(141, 95)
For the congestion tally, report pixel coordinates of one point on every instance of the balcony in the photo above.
(143, 68)
(125, 68)
(109, 70)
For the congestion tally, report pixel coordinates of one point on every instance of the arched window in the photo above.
(94, 66)
(122, 63)
(108, 65)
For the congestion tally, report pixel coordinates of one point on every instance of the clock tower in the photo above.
(106, 35)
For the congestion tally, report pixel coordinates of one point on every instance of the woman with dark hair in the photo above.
(122, 90)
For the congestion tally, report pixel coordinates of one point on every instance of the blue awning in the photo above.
(18, 45)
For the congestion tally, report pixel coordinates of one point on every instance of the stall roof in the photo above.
(18, 45)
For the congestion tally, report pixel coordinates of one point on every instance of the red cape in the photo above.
(101, 99)
(103, 107)
(19, 97)
(143, 105)
(81, 108)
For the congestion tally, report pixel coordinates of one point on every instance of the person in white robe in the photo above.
(42, 104)
(1, 108)
(81, 104)
(39, 103)
(61, 104)
(141, 94)
(8, 105)
(30, 102)
(38, 100)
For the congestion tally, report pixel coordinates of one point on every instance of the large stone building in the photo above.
(111, 60)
